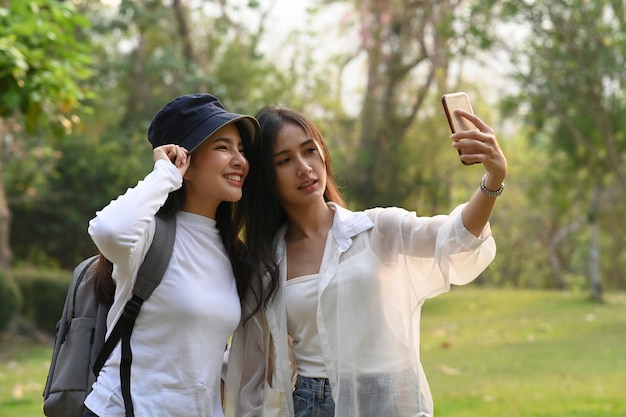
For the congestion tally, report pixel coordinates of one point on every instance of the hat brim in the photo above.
(206, 129)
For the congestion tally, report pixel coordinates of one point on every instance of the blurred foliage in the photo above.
(44, 294)
(42, 57)
(10, 300)
(569, 74)
(561, 128)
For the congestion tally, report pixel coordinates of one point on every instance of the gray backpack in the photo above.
(80, 350)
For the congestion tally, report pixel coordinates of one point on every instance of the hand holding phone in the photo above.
(452, 102)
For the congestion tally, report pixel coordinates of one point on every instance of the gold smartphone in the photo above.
(452, 102)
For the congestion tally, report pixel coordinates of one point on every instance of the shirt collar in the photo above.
(348, 224)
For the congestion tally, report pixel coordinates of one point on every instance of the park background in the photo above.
(540, 333)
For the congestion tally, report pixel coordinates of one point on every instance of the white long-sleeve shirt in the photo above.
(378, 268)
(179, 337)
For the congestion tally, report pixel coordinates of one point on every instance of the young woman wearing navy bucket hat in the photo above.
(179, 337)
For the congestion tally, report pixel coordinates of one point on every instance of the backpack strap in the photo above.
(158, 257)
(148, 278)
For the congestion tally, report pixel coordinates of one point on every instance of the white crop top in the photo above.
(301, 301)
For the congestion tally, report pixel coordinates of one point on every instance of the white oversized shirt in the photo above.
(378, 268)
(181, 332)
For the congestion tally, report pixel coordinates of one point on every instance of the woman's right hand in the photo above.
(481, 146)
(175, 154)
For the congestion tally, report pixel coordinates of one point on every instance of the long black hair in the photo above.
(260, 207)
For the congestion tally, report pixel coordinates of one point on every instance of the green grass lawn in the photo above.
(525, 354)
(487, 353)
(23, 369)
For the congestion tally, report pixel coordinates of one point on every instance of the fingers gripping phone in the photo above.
(452, 102)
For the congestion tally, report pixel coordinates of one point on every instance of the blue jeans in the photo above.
(393, 395)
(384, 395)
(312, 398)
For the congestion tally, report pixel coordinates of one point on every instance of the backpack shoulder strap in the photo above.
(150, 274)
(158, 257)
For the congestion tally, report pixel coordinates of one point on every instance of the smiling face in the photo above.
(216, 173)
(300, 167)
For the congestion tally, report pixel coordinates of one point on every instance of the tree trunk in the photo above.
(6, 256)
(400, 40)
(184, 33)
(594, 249)
(555, 254)
(557, 268)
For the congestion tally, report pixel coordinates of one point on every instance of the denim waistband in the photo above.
(316, 384)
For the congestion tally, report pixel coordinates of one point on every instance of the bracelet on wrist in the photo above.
(487, 191)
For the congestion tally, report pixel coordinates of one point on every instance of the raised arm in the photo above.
(484, 148)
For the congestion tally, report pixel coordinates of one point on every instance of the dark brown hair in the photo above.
(104, 286)
(260, 204)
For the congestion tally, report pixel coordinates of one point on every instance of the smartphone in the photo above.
(452, 102)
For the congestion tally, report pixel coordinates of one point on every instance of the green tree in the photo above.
(408, 48)
(570, 73)
(144, 53)
(43, 59)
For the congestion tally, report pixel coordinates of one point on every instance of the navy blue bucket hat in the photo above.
(189, 120)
